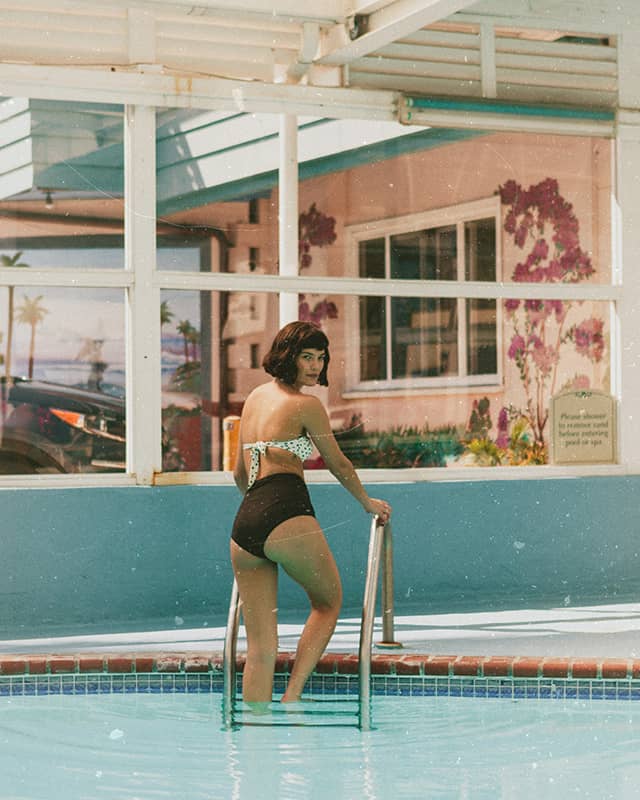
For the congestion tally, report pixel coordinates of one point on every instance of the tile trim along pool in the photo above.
(336, 675)
(331, 664)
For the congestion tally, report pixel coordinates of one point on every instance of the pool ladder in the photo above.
(380, 552)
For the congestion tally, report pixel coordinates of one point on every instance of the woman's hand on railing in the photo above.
(380, 508)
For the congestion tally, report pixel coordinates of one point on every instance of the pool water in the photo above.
(130, 747)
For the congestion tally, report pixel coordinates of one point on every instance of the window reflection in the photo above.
(63, 380)
(212, 348)
(425, 255)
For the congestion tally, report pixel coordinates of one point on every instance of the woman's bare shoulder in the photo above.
(312, 409)
(258, 392)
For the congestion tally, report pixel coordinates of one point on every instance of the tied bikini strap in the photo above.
(257, 449)
(300, 447)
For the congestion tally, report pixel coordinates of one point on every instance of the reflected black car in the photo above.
(47, 427)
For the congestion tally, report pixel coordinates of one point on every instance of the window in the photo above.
(63, 347)
(446, 338)
(431, 338)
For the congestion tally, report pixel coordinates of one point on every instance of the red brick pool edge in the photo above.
(329, 664)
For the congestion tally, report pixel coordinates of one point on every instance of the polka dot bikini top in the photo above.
(300, 447)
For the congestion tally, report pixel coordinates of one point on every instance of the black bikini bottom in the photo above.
(266, 504)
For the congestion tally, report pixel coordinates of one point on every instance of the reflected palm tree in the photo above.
(194, 339)
(166, 315)
(32, 313)
(10, 261)
(186, 329)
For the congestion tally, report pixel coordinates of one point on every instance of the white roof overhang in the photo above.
(543, 51)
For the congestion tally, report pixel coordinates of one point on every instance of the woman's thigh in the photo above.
(258, 586)
(300, 547)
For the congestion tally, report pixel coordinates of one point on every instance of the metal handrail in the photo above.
(380, 552)
(366, 629)
(229, 658)
(388, 640)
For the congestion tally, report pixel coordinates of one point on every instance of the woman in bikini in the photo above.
(276, 523)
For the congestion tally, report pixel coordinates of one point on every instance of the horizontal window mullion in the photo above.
(67, 480)
(411, 475)
(91, 278)
(250, 282)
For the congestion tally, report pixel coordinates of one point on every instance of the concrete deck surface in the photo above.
(598, 631)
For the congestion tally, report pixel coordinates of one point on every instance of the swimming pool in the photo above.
(172, 746)
(144, 746)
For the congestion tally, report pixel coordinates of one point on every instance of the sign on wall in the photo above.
(583, 428)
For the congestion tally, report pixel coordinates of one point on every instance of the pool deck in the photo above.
(599, 641)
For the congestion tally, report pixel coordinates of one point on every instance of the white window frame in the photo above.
(385, 228)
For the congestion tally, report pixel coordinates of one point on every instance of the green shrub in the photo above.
(400, 447)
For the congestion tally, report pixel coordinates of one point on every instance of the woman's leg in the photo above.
(258, 586)
(301, 548)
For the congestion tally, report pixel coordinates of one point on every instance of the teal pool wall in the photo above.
(114, 559)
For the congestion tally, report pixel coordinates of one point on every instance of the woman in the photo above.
(276, 523)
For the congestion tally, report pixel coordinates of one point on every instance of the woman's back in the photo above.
(273, 413)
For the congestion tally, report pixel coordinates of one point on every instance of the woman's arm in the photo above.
(316, 422)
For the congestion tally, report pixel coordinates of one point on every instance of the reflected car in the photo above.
(48, 428)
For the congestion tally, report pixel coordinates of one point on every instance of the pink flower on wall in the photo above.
(315, 229)
(588, 337)
(541, 219)
(502, 440)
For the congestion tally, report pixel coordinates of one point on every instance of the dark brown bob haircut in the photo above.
(290, 341)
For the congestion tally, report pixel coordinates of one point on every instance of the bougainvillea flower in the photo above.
(589, 338)
(502, 439)
(517, 347)
(511, 306)
(545, 358)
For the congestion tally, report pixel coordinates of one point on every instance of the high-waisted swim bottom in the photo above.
(266, 504)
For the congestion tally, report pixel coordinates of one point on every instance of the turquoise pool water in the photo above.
(139, 747)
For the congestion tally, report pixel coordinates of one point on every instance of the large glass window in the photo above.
(419, 253)
(62, 347)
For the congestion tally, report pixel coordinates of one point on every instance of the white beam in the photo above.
(328, 10)
(628, 69)
(144, 390)
(154, 88)
(384, 26)
(288, 214)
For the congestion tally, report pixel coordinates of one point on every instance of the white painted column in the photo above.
(628, 210)
(288, 212)
(144, 420)
(626, 252)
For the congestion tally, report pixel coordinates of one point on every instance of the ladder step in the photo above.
(292, 724)
(282, 712)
